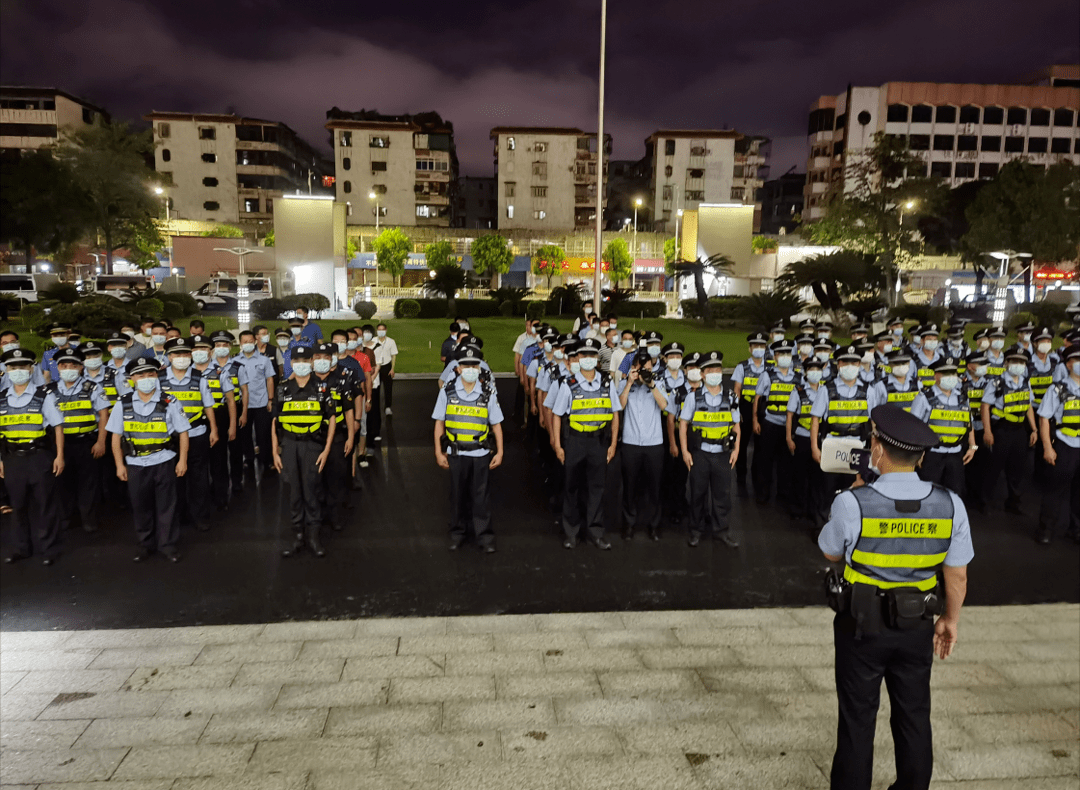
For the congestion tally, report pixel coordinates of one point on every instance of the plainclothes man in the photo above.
(468, 424)
(1008, 428)
(673, 485)
(149, 457)
(386, 352)
(59, 335)
(643, 396)
(1059, 430)
(945, 408)
(375, 414)
(254, 429)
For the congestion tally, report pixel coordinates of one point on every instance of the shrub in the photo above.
(410, 308)
(268, 309)
(172, 311)
(506, 308)
(535, 309)
(912, 312)
(1049, 314)
(1019, 319)
(436, 308)
(724, 308)
(643, 309)
(187, 303)
(365, 309)
(937, 315)
(33, 316)
(508, 294)
(10, 301)
(310, 301)
(93, 320)
(151, 307)
(64, 293)
(767, 309)
(566, 299)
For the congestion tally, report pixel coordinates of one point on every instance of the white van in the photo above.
(26, 286)
(220, 292)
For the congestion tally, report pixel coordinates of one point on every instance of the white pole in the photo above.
(678, 215)
(597, 295)
(633, 266)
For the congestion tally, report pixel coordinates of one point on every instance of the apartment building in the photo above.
(547, 176)
(477, 204)
(35, 117)
(960, 131)
(225, 168)
(695, 166)
(401, 167)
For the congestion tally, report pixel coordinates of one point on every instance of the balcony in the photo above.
(818, 187)
(433, 200)
(820, 163)
(28, 116)
(261, 170)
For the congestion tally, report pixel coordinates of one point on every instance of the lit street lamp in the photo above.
(1002, 289)
(243, 303)
(375, 197)
(165, 199)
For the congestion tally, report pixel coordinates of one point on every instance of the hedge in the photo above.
(437, 308)
(724, 308)
(270, 309)
(365, 310)
(643, 309)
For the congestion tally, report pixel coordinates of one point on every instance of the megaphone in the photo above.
(841, 455)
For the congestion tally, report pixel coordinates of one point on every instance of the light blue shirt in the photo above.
(841, 532)
(1052, 408)
(175, 421)
(37, 378)
(920, 407)
(98, 401)
(763, 384)
(47, 363)
(121, 376)
(994, 392)
(794, 406)
(204, 389)
(642, 422)
(742, 369)
(690, 406)
(495, 415)
(563, 397)
(51, 413)
(820, 409)
(552, 385)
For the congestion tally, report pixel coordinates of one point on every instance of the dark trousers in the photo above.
(81, 483)
(153, 492)
(771, 451)
(218, 458)
(710, 492)
(585, 476)
(519, 401)
(976, 471)
(1008, 455)
(31, 489)
(470, 498)
(386, 383)
(259, 421)
(374, 417)
(673, 485)
(642, 468)
(334, 488)
(903, 659)
(1060, 509)
(807, 481)
(746, 414)
(945, 469)
(299, 458)
(193, 489)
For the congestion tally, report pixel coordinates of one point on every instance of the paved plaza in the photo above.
(654, 700)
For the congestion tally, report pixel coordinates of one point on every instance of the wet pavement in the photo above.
(391, 559)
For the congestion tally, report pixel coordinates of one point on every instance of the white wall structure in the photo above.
(310, 245)
(34, 117)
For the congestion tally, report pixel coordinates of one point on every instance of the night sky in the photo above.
(697, 63)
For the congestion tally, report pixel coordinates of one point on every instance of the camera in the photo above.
(646, 376)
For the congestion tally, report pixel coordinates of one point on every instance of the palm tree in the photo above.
(834, 278)
(715, 265)
(445, 281)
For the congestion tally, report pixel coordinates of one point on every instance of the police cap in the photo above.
(590, 346)
(946, 365)
(202, 341)
(812, 362)
(808, 325)
(296, 321)
(92, 347)
(824, 345)
(69, 355)
(1026, 327)
(929, 329)
(711, 359)
(1044, 333)
(998, 331)
(142, 365)
(471, 356)
(778, 328)
(897, 356)
(692, 360)
(861, 329)
(117, 339)
(1070, 353)
(282, 332)
(901, 429)
(674, 347)
(803, 339)
(653, 337)
(59, 329)
(977, 359)
(848, 353)
(895, 321)
(824, 325)
(567, 340)
(980, 334)
(18, 356)
(956, 331)
(1017, 353)
(881, 337)
(178, 344)
(549, 333)
(222, 336)
(757, 337)
(781, 347)
(325, 349)
(302, 352)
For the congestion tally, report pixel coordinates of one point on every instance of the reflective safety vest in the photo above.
(590, 411)
(903, 399)
(974, 395)
(950, 423)
(847, 414)
(189, 395)
(779, 393)
(1039, 381)
(77, 408)
(333, 386)
(925, 375)
(214, 383)
(1069, 425)
(148, 433)
(1016, 402)
(712, 424)
(750, 380)
(24, 425)
(108, 384)
(467, 425)
(805, 404)
(900, 546)
(993, 370)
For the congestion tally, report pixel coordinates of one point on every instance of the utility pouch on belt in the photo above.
(866, 609)
(908, 608)
(837, 591)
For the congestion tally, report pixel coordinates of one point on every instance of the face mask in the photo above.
(948, 383)
(1017, 370)
(351, 345)
(757, 353)
(900, 371)
(334, 361)
(200, 357)
(983, 344)
(777, 337)
(596, 327)
(283, 342)
(342, 347)
(693, 374)
(628, 344)
(930, 345)
(9, 347)
(158, 340)
(654, 351)
(823, 336)
(19, 376)
(997, 344)
(813, 376)
(1043, 348)
(916, 342)
(181, 363)
(302, 369)
(887, 349)
(898, 331)
(118, 352)
(614, 326)
(604, 329)
(822, 356)
(380, 332)
(264, 339)
(247, 348)
(588, 363)
(674, 363)
(783, 361)
(806, 350)
(849, 372)
(470, 374)
(874, 464)
(868, 358)
(93, 363)
(69, 376)
(295, 331)
(367, 337)
(1025, 337)
(221, 352)
(1075, 368)
(60, 340)
(147, 385)
(322, 365)
(575, 367)
(714, 379)
(559, 354)
(981, 371)
(547, 347)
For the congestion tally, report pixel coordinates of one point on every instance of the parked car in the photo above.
(26, 286)
(220, 292)
(122, 286)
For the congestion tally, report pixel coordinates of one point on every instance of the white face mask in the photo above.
(980, 371)
(674, 363)
(813, 376)
(9, 347)
(118, 352)
(693, 374)
(342, 347)
(823, 335)
(757, 353)
(948, 383)
(900, 371)
(93, 363)
(264, 339)
(321, 365)
(888, 347)
(1075, 368)
(898, 331)
(221, 352)
(146, 385)
(714, 379)
(823, 356)
(367, 337)
(200, 356)
(351, 345)
(849, 372)
(777, 337)
(916, 342)
(547, 347)
(614, 326)
(806, 351)
(559, 354)
(18, 376)
(247, 348)
(1017, 369)
(470, 374)
(1043, 348)
(380, 332)
(283, 342)
(60, 340)
(295, 330)
(654, 351)
(628, 344)
(930, 345)
(1024, 337)
(575, 367)
(158, 340)
(983, 344)
(868, 358)
(783, 361)
(181, 362)
(997, 344)
(588, 363)
(69, 376)
(302, 369)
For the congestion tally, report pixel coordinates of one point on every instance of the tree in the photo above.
(144, 242)
(715, 265)
(108, 164)
(268, 239)
(223, 231)
(446, 281)
(439, 254)
(671, 254)
(492, 256)
(351, 249)
(392, 248)
(877, 196)
(834, 278)
(547, 261)
(617, 256)
(768, 309)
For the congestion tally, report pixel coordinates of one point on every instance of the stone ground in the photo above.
(653, 700)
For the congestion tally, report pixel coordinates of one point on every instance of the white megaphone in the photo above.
(840, 455)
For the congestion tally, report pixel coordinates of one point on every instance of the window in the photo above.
(1036, 145)
(432, 164)
(838, 148)
(164, 130)
(669, 148)
(1014, 145)
(48, 104)
(345, 139)
(899, 139)
(1040, 117)
(965, 170)
(251, 205)
(423, 210)
(540, 148)
(695, 173)
(990, 144)
(941, 169)
(922, 113)
(539, 169)
(539, 192)
(166, 155)
(916, 170)
(967, 142)
(988, 169)
(87, 115)
(511, 144)
(510, 187)
(737, 193)
(509, 212)
(207, 133)
(346, 187)
(993, 115)
(379, 142)
(897, 113)
(269, 205)
(943, 142)
(841, 120)
(668, 171)
(737, 171)
(1076, 146)
(1059, 145)
(695, 194)
(346, 163)
(969, 114)
(211, 205)
(209, 181)
(946, 114)
(919, 142)
(668, 191)
(1063, 117)
(209, 158)
(1017, 115)
(540, 214)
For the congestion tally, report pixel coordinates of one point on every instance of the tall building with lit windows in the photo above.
(402, 166)
(960, 131)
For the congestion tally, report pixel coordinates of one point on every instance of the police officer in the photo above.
(883, 346)
(804, 350)
(226, 367)
(223, 391)
(774, 389)
(709, 433)
(995, 356)
(118, 344)
(806, 480)
(914, 344)
(860, 334)
(895, 327)
(468, 423)
(9, 341)
(1008, 428)
(643, 396)
(974, 383)
(585, 429)
(899, 384)
(1059, 429)
(58, 334)
(778, 334)
(1024, 339)
(341, 387)
(148, 457)
(96, 372)
(945, 408)
(1043, 363)
(823, 352)
(302, 440)
(957, 347)
(673, 485)
(744, 379)
(928, 353)
(31, 458)
(892, 537)
(825, 334)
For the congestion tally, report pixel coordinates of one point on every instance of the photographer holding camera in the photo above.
(643, 398)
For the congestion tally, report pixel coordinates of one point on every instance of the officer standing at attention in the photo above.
(899, 385)
(95, 372)
(31, 458)
(892, 537)
(117, 343)
(1059, 429)
(342, 389)
(1008, 428)
(974, 383)
(467, 416)
(806, 480)
(774, 389)
(224, 393)
(1023, 339)
(673, 486)
(232, 369)
(709, 432)
(995, 357)
(58, 334)
(260, 384)
(149, 459)
(957, 347)
(945, 408)
(302, 441)
(643, 396)
(1043, 363)
(927, 355)
(585, 430)
(883, 346)
(745, 380)
(823, 352)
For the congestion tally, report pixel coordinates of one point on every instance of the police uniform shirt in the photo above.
(49, 409)
(449, 372)
(794, 407)
(37, 378)
(47, 363)
(994, 394)
(120, 377)
(495, 415)
(259, 368)
(690, 406)
(920, 407)
(204, 389)
(534, 369)
(553, 379)
(642, 420)
(98, 399)
(674, 406)
(1052, 408)
(765, 382)
(881, 386)
(563, 397)
(175, 422)
(820, 409)
(738, 376)
(841, 532)
(224, 374)
(534, 350)
(673, 383)
(1039, 369)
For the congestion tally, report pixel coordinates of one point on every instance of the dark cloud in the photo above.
(696, 63)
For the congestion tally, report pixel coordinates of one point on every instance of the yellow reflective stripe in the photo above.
(947, 430)
(135, 426)
(846, 405)
(24, 434)
(301, 405)
(1071, 432)
(591, 417)
(897, 560)
(22, 419)
(854, 576)
(73, 405)
(1011, 416)
(921, 528)
(465, 426)
(848, 420)
(712, 416)
(467, 411)
(81, 418)
(591, 403)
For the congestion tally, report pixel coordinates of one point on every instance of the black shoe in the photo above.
(296, 548)
(762, 500)
(90, 529)
(727, 540)
(173, 556)
(694, 540)
(48, 561)
(742, 491)
(1014, 508)
(316, 547)
(488, 549)
(569, 543)
(142, 555)
(238, 488)
(654, 534)
(1043, 536)
(455, 542)
(357, 485)
(15, 557)
(336, 526)
(628, 534)
(601, 544)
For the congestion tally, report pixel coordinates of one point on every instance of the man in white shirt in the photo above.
(386, 352)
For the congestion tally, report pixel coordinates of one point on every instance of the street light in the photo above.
(243, 303)
(375, 197)
(633, 270)
(165, 199)
(1002, 289)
